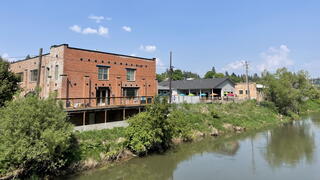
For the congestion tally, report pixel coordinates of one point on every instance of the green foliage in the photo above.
(288, 91)
(8, 82)
(177, 75)
(150, 130)
(106, 141)
(209, 75)
(35, 137)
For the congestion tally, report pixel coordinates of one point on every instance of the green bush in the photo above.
(35, 137)
(8, 82)
(150, 130)
(93, 143)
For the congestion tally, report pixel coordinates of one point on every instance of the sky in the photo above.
(268, 34)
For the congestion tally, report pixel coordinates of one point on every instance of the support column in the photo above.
(84, 118)
(139, 109)
(124, 114)
(212, 95)
(105, 116)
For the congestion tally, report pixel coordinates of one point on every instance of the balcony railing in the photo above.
(80, 103)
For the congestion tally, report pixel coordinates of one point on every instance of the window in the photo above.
(56, 72)
(48, 72)
(34, 75)
(130, 92)
(103, 73)
(20, 76)
(240, 91)
(131, 74)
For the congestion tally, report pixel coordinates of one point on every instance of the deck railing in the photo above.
(78, 103)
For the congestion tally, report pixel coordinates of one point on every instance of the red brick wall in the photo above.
(81, 72)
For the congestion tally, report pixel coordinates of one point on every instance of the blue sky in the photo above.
(201, 34)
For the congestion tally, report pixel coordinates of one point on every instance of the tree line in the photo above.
(179, 74)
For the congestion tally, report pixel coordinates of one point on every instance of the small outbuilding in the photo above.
(216, 87)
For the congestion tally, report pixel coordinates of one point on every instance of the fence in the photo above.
(77, 103)
(198, 99)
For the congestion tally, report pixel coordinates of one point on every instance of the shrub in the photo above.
(150, 130)
(8, 82)
(35, 137)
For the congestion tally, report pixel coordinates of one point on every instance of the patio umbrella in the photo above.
(203, 94)
(191, 94)
(214, 94)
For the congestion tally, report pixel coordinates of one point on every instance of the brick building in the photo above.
(86, 79)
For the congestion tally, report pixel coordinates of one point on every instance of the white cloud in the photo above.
(275, 58)
(160, 64)
(97, 19)
(89, 30)
(148, 48)
(103, 31)
(233, 66)
(6, 56)
(133, 54)
(75, 28)
(127, 28)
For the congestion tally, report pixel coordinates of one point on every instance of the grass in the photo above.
(101, 143)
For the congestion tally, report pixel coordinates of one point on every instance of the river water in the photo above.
(291, 151)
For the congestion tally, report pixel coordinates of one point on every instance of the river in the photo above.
(289, 151)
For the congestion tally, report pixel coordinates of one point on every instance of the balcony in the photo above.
(106, 102)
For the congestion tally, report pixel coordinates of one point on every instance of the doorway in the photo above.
(103, 96)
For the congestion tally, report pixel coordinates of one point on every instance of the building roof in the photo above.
(195, 84)
(95, 51)
(102, 52)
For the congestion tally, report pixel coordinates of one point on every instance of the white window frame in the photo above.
(105, 72)
(133, 78)
(32, 77)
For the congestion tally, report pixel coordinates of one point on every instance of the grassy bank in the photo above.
(189, 121)
(163, 125)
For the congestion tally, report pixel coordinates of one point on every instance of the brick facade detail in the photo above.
(73, 73)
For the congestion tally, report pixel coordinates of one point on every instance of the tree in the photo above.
(8, 82)
(177, 75)
(150, 130)
(219, 75)
(213, 70)
(287, 90)
(209, 75)
(35, 136)
(28, 57)
(189, 74)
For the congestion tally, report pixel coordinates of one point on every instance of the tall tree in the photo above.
(213, 70)
(8, 82)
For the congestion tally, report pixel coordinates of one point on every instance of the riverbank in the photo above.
(193, 121)
(183, 123)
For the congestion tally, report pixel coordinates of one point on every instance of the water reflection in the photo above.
(290, 144)
(162, 167)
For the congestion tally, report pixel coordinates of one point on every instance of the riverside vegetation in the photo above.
(36, 139)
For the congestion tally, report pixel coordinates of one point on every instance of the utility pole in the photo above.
(247, 80)
(39, 70)
(170, 78)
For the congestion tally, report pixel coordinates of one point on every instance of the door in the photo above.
(103, 96)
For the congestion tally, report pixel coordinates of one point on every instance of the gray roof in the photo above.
(195, 84)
